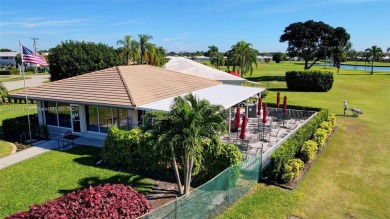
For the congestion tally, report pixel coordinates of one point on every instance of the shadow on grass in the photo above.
(267, 78)
(277, 89)
(135, 181)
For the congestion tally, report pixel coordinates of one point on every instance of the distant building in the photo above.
(8, 59)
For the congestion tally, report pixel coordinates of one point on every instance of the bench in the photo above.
(66, 139)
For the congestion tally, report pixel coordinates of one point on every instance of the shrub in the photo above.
(120, 147)
(134, 149)
(5, 72)
(292, 146)
(16, 129)
(308, 150)
(103, 201)
(291, 169)
(14, 71)
(320, 137)
(327, 126)
(309, 80)
(217, 157)
(332, 120)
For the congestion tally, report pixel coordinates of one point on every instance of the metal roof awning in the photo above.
(223, 94)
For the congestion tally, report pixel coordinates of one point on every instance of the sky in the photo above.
(191, 25)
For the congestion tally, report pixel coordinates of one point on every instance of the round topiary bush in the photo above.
(308, 150)
(103, 201)
(320, 137)
(327, 126)
(318, 81)
(291, 169)
(332, 119)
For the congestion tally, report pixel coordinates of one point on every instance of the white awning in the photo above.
(223, 94)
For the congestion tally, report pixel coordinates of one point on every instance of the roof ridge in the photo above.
(181, 73)
(64, 79)
(126, 87)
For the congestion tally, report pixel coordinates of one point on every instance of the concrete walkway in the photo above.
(34, 81)
(41, 147)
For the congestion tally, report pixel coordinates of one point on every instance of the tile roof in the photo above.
(127, 86)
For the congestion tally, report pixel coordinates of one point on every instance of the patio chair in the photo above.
(274, 133)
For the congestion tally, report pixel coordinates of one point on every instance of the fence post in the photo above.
(228, 186)
(176, 208)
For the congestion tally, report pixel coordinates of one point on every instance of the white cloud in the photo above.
(54, 23)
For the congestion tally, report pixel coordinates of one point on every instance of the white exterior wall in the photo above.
(40, 109)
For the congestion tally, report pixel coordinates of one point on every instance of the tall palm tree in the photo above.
(218, 60)
(143, 40)
(242, 56)
(213, 51)
(135, 51)
(375, 52)
(126, 49)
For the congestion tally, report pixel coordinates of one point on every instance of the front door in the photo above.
(75, 116)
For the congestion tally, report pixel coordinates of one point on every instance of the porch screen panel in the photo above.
(106, 118)
(92, 118)
(51, 113)
(64, 115)
(123, 120)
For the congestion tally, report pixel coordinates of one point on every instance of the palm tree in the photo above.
(143, 40)
(375, 52)
(135, 51)
(242, 56)
(213, 51)
(218, 60)
(126, 49)
(189, 121)
(388, 49)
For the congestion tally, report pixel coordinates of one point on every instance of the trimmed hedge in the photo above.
(308, 150)
(318, 81)
(332, 120)
(327, 126)
(291, 169)
(292, 146)
(16, 129)
(103, 201)
(5, 72)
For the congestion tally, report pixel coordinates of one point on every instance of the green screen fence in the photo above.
(215, 196)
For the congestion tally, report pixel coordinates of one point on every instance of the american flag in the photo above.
(33, 58)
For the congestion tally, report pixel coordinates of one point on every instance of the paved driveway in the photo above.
(34, 81)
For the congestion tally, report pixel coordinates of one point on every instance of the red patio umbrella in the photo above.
(259, 106)
(277, 99)
(235, 74)
(238, 117)
(284, 104)
(243, 127)
(265, 113)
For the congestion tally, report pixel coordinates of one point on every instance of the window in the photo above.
(64, 115)
(106, 119)
(123, 119)
(51, 113)
(92, 118)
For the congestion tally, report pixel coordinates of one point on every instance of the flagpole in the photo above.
(25, 91)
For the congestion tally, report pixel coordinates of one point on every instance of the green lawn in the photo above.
(14, 110)
(351, 178)
(53, 174)
(5, 148)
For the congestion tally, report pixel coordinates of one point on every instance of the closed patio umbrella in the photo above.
(235, 74)
(277, 99)
(237, 117)
(284, 108)
(265, 113)
(259, 106)
(243, 128)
